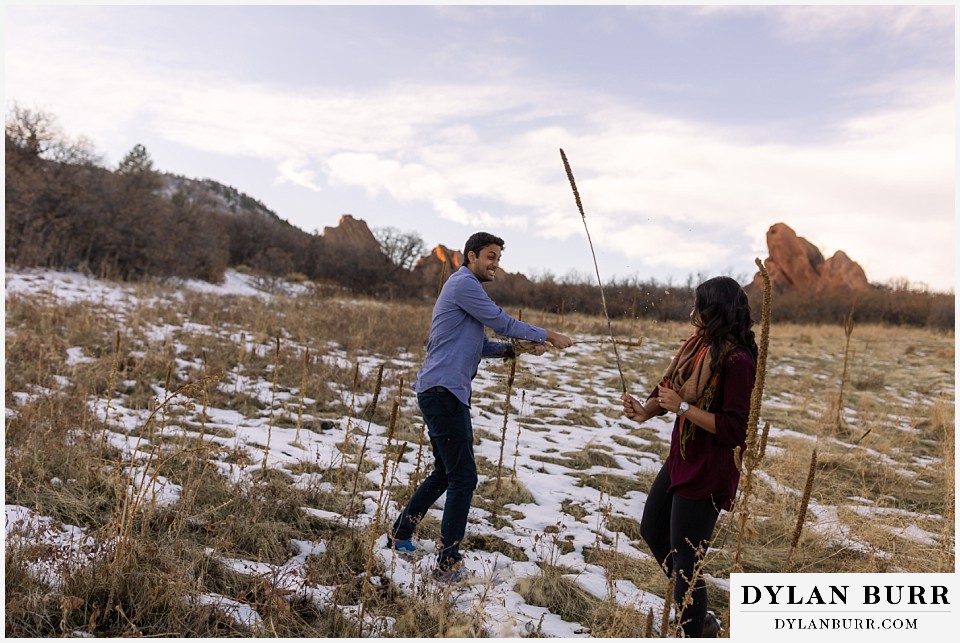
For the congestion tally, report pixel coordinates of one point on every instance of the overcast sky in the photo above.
(690, 130)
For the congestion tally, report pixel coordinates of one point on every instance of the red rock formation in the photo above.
(840, 271)
(353, 233)
(434, 269)
(796, 264)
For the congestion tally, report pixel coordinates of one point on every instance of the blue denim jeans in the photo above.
(454, 472)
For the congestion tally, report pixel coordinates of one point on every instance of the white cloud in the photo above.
(826, 22)
(905, 21)
(652, 185)
(294, 171)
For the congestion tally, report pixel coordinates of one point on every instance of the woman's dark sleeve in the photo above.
(738, 374)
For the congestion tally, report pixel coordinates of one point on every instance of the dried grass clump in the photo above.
(311, 365)
(492, 543)
(511, 492)
(42, 472)
(629, 527)
(573, 509)
(611, 620)
(434, 617)
(562, 596)
(590, 457)
(613, 485)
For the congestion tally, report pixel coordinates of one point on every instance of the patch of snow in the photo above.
(68, 548)
(241, 613)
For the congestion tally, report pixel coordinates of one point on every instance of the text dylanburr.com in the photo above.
(851, 606)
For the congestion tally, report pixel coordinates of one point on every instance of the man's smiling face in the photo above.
(484, 263)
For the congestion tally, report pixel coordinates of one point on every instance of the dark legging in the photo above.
(675, 529)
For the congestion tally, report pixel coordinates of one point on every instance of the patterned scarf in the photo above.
(690, 375)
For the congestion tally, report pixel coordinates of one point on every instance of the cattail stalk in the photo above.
(804, 503)
(110, 388)
(376, 526)
(131, 491)
(667, 602)
(503, 430)
(603, 298)
(762, 449)
(516, 448)
(273, 399)
(848, 325)
(386, 461)
(418, 472)
(240, 355)
(648, 626)
(366, 437)
(750, 456)
(346, 436)
(303, 387)
(396, 463)
(367, 581)
(603, 511)
(687, 601)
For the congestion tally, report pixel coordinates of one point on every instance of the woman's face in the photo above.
(695, 317)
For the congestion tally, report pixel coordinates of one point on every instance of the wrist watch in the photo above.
(684, 407)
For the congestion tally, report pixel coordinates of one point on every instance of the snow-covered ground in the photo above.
(561, 384)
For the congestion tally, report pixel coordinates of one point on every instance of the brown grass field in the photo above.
(205, 464)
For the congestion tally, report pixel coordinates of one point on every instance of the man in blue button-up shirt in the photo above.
(456, 344)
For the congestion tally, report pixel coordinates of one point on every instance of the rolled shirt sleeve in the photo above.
(457, 340)
(734, 411)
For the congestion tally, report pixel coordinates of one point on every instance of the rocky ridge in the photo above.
(795, 264)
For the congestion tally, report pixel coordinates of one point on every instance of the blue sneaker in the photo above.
(401, 546)
(453, 576)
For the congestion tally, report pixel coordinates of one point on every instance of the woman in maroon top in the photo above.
(708, 385)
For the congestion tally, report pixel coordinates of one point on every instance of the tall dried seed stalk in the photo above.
(273, 400)
(111, 386)
(603, 298)
(240, 355)
(667, 603)
(687, 601)
(418, 472)
(394, 412)
(750, 457)
(762, 448)
(367, 578)
(396, 463)
(503, 430)
(802, 516)
(363, 449)
(648, 625)
(349, 430)
(131, 491)
(848, 325)
(516, 447)
(303, 388)
(946, 440)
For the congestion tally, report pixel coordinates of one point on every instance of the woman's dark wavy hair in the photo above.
(724, 316)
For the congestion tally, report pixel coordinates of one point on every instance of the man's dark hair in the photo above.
(477, 241)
